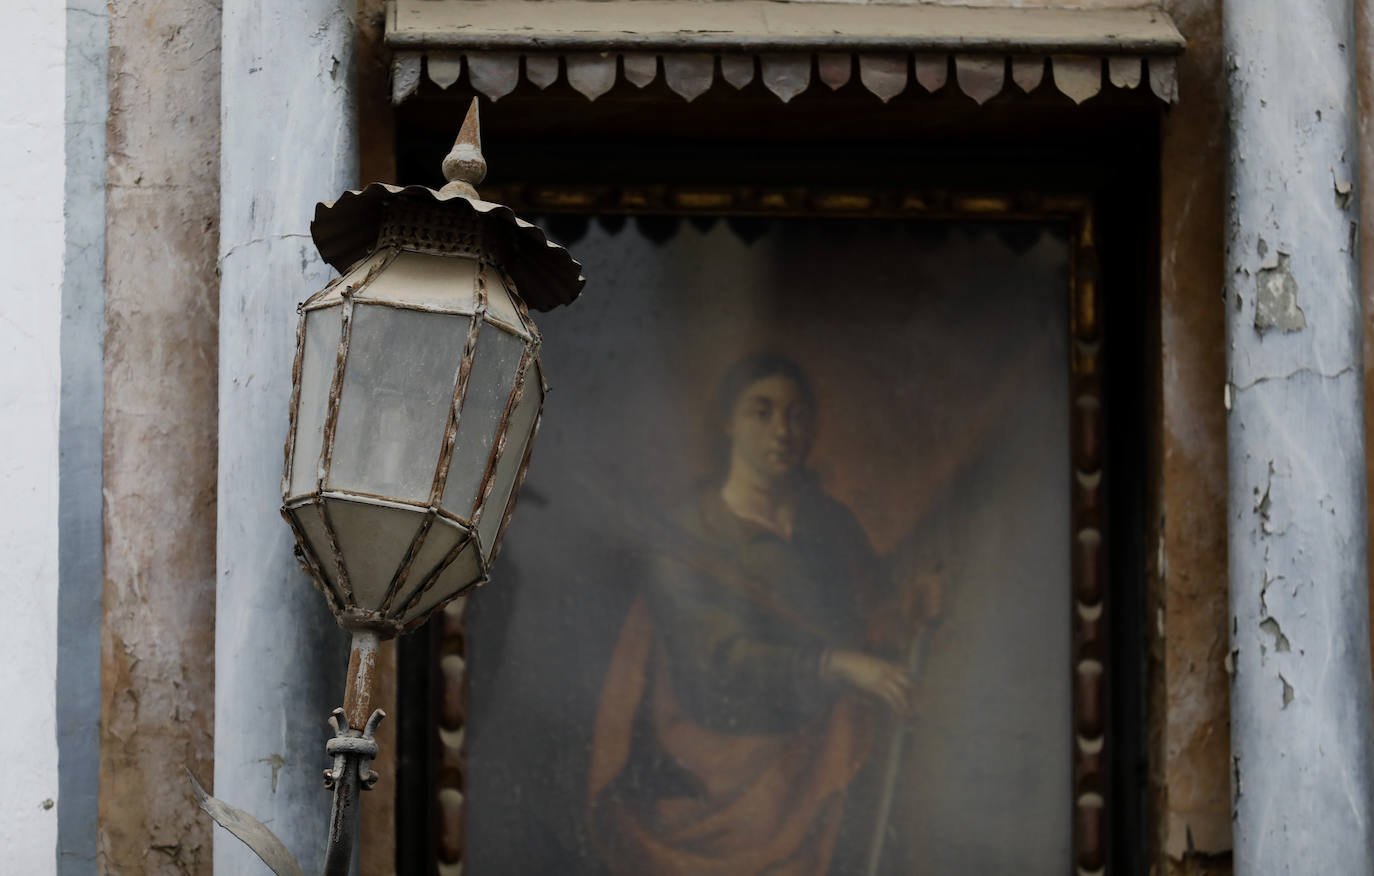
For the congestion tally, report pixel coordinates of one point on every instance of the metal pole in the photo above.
(353, 749)
(1299, 660)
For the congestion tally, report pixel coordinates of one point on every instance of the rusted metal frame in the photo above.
(436, 492)
(455, 412)
(358, 498)
(484, 485)
(489, 477)
(297, 366)
(321, 293)
(316, 302)
(406, 305)
(1088, 629)
(524, 464)
(420, 620)
(519, 482)
(331, 423)
(517, 330)
(319, 578)
(460, 391)
(428, 583)
(527, 326)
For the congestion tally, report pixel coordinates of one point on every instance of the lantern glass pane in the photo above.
(442, 282)
(500, 306)
(495, 363)
(517, 439)
(322, 329)
(397, 390)
(463, 571)
(440, 539)
(373, 540)
(311, 522)
(334, 294)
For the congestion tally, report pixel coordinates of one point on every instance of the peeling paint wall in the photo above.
(1301, 701)
(160, 434)
(32, 168)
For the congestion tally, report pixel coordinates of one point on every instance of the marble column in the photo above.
(1299, 624)
(289, 139)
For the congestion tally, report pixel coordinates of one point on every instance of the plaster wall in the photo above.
(289, 140)
(32, 173)
(80, 566)
(160, 434)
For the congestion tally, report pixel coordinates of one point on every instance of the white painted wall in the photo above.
(288, 139)
(32, 169)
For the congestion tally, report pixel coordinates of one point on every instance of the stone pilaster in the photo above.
(1300, 688)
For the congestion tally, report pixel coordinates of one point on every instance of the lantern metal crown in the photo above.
(417, 391)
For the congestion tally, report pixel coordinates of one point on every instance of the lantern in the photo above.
(417, 391)
(416, 395)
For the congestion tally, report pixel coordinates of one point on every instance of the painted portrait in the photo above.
(788, 589)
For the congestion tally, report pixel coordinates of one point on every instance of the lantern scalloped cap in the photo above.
(346, 230)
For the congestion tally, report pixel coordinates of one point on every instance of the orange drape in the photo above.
(764, 804)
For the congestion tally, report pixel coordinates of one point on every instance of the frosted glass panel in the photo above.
(311, 523)
(322, 328)
(334, 294)
(499, 303)
(463, 571)
(496, 360)
(397, 390)
(521, 424)
(440, 539)
(373, 539)
(428, 281)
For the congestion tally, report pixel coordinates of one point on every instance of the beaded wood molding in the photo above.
(1088, 548)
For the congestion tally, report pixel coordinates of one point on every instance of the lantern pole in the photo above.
(353, 749)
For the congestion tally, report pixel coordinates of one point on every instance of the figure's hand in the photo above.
(874, 676)
(923, 599)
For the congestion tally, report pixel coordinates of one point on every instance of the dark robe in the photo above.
(718, 749)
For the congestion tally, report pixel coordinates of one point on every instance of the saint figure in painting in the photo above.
(736, 722)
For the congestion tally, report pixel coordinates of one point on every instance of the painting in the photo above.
(790, 586)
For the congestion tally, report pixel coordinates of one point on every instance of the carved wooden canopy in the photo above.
(693, 43)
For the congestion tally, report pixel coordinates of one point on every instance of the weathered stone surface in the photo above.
(160, 420)
(1189, 720)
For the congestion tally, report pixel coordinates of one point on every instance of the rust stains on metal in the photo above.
(361, 681)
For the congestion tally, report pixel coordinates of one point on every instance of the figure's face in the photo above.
(770, 429)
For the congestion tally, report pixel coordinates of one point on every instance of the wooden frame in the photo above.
(1091, 745)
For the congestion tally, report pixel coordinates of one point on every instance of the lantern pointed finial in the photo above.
(464, 166)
